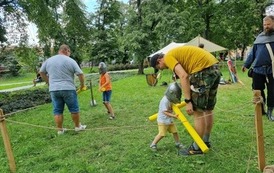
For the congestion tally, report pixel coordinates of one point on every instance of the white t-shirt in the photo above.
(61, 70)
(165, 105)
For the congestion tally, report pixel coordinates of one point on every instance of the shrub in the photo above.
(23, 99)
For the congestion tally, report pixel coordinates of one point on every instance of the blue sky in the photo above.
(92, 4)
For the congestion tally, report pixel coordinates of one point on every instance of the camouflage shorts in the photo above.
(204, 85)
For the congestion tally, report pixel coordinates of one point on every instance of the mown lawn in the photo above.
(122, 145)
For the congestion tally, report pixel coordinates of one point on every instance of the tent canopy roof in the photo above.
(167, 48)
(208, 45)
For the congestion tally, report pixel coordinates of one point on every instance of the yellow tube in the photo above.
(154, 116)
(190, 129)
(180, 105)
(80, 90)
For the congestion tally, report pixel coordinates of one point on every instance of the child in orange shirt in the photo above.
(106, 88)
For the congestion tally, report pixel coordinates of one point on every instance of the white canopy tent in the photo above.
(208, 45)
(167, 48)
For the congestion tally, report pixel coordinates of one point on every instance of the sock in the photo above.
(206, 137)
(195, 146)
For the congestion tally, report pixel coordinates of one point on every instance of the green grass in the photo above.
(122, 145)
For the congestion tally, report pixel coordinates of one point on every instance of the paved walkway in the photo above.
(42, 83)
(20, 88)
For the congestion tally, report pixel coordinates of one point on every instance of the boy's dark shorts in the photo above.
(204, 85)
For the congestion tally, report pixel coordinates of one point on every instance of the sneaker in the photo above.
(179, 146)
(190, 151)
(80, 128)
(60, 132)
(208, 144)
(111, 117)
(153, 147)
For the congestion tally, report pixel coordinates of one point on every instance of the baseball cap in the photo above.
(154, 58)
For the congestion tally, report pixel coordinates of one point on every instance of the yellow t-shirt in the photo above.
(191, 58)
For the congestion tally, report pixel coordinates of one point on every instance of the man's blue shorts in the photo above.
(62, 97)
(107, 96)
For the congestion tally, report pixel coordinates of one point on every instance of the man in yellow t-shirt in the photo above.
(199, 77)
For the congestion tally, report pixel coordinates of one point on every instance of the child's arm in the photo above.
(170, 114)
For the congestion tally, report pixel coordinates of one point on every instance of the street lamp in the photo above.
(269, 9)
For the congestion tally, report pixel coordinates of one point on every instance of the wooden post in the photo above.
(7, 142)
(259, 129)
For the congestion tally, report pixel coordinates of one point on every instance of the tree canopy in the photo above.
(123, 32)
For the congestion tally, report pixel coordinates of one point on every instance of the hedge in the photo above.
(23, 99)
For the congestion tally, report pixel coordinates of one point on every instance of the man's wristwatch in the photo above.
(188, 100)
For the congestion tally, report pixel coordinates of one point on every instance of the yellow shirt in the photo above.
(191, 58)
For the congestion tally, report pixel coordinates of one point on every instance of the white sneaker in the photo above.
(80, 128)
(60, 132)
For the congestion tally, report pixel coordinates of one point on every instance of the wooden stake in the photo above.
(259, 129)
(7, 142)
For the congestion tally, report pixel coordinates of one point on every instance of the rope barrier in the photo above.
(92, 129)
(241, 107)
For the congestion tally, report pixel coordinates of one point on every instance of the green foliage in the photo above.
(9, 61)
(13, 17)
(30, 58)
(116, 67)
(105, 45)
(122, 32)
(23, 99)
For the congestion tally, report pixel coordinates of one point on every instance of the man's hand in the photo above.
(189, 108)
(82, 88)
(243, 69)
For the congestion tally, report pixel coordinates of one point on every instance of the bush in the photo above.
(23, 99)
(117, 67)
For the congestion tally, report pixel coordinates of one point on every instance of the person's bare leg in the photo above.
(208, 126)
(199, 125)
(76, 119)
(105, 104)
(109, 108)
(176, 137)
(157, 139)
(59, 121)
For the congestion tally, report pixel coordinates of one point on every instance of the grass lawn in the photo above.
(122, 145)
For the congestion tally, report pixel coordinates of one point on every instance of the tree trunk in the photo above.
(141, 68)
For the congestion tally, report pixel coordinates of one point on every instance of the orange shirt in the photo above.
(105, 81)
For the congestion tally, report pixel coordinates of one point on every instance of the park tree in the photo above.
(12, 19)
(137, 29)
(58, 22)
(29, 57)
(105, 23)
(154, 24)
(241, 23)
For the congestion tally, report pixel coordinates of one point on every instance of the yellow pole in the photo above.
(7, 142)
(154, 116)
(190, 129)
